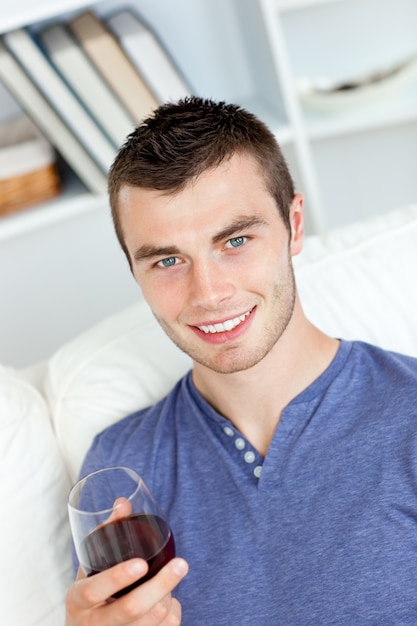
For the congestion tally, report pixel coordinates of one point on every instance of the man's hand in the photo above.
(150, 604)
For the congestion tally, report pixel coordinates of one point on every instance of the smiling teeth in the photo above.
(224, 326)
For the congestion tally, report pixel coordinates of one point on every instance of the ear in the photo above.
(297, 224)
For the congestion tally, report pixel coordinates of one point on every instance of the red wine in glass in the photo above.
(146, 536)
(114, 517)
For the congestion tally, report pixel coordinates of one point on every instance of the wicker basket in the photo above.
(28, 173)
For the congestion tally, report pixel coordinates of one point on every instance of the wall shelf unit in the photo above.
(350, 162)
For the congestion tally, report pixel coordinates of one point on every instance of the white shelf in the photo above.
(259, 72)
(25, 12)
(235, 76)
(72, 203)
(387, 113)
(293, 5)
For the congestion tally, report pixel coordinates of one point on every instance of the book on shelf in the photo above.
(109, 58)
(49, 122)
(86, 82)
(149, 56)
(37, 66)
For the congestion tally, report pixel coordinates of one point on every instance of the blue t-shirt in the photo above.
(323, 531)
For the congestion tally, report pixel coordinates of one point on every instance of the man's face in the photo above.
(214, 263)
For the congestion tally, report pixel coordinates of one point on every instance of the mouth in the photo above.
(226, 326)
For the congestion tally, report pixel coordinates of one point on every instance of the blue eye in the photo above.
(235, 242)
(168, 262)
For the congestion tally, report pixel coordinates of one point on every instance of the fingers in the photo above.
(121, 508)
(150, 603)
(147, 605)
(148, 595)
(93, 591)
(166, 612)
(80, 574)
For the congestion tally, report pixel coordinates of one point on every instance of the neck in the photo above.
(253, 399)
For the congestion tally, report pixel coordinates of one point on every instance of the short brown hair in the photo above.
(180, 141)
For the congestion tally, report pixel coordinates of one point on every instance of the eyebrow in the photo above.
(150, 252)
(238, 225)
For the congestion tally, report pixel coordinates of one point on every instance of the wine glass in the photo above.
(114, 517)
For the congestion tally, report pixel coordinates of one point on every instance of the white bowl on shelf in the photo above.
(329, 95)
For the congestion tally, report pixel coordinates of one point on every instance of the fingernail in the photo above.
(180, 566)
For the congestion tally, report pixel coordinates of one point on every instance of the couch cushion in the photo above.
(120, 365)
(34, 531)
(356, 282)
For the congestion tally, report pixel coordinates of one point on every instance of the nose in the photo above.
(211, 284)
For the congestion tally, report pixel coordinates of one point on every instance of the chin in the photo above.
(229, 363)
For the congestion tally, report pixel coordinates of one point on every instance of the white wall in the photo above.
(56, 282)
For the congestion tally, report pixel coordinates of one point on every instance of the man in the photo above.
(285, 459)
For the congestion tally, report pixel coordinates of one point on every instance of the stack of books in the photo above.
(87, 83)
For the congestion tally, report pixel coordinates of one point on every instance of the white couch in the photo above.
(357, 282)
